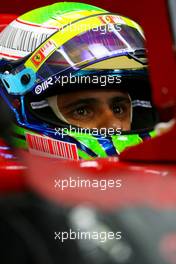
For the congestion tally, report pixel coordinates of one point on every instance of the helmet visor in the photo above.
(92, 46)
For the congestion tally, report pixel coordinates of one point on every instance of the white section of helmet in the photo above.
(52, 102)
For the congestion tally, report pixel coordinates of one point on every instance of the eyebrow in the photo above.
(93, 100)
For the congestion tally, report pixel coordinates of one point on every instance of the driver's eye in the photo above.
(82, 112)
(118, 109)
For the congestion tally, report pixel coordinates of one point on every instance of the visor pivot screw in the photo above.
(25, 79)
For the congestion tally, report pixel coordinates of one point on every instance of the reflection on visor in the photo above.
(91, 46)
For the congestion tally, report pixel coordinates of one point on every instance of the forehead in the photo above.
(97, 94)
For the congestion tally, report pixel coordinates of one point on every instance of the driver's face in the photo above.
(96, 109)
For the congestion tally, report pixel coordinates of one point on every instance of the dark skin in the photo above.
(97, 109)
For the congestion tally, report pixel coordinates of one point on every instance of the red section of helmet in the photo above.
(5, 19)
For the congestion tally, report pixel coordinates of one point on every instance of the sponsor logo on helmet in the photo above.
(112, 19)
(43, 53)
(45, 85)
(49, 147)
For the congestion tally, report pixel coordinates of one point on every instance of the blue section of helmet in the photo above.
(145, 135)
(23, 108)
(5, 98)
(121, 73)
(14, 82)
(108, 146)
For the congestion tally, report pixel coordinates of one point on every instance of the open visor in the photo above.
(92, 46)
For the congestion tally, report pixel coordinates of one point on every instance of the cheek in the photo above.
(126, 121)
(82, 123)
(126, 124)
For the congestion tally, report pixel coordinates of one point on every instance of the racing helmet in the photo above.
(44, 54)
